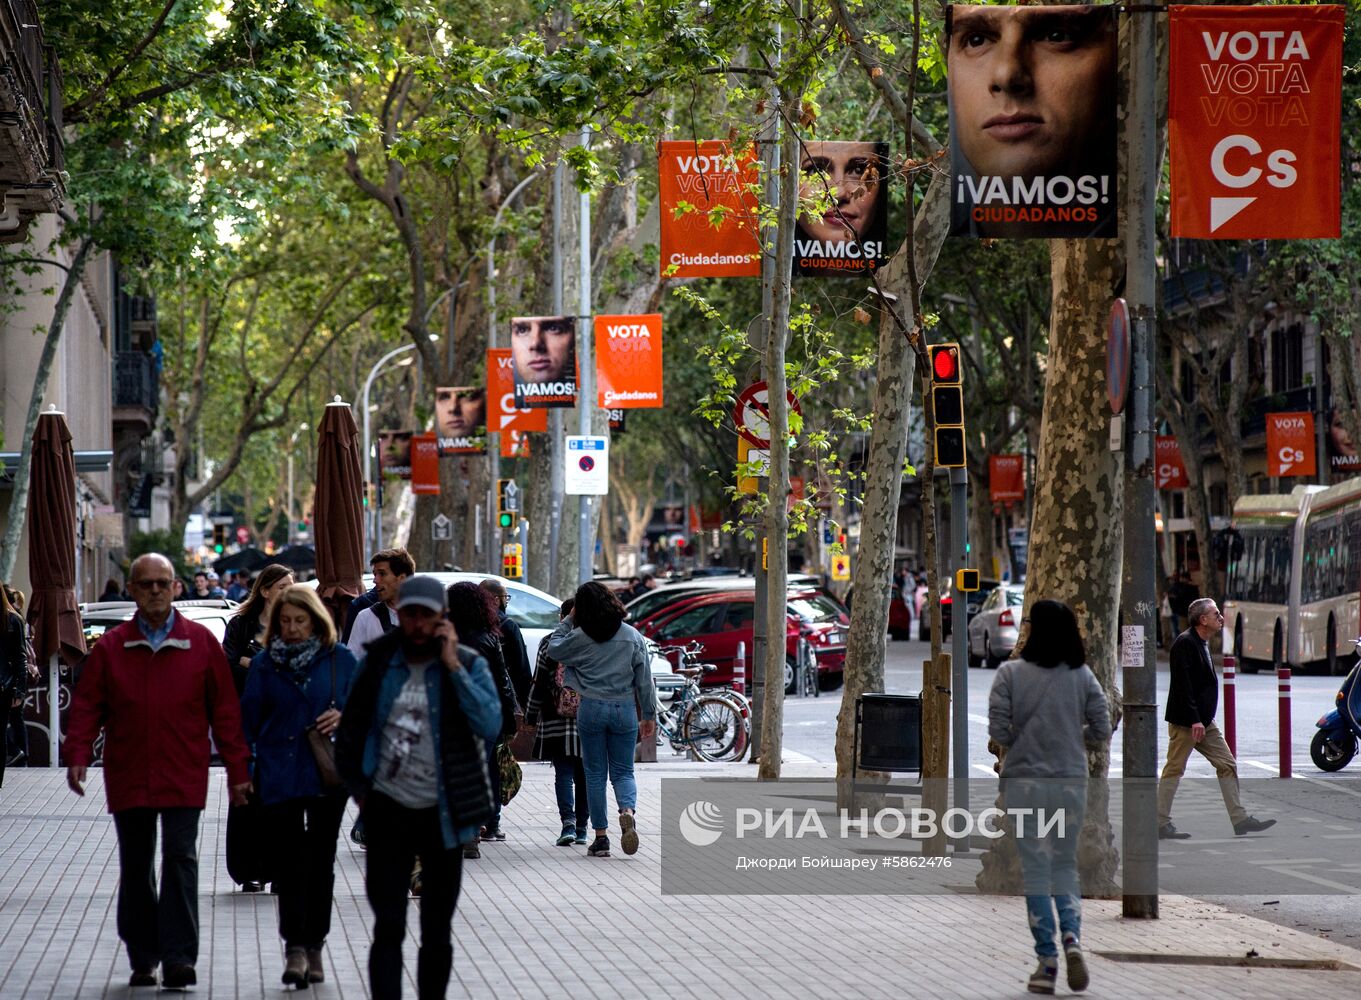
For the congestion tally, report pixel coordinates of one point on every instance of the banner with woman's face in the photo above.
(1032, 94)
(543, 350)
(843, 233)
(461, 420)
(394, 453)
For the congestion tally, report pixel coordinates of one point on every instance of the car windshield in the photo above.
(528, 610)
(815, 608)
(1015, 598)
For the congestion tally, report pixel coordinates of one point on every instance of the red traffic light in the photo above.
(945, 362)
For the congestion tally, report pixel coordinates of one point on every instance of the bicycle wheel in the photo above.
(715, 730)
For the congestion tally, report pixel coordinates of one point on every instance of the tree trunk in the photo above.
(18, 502)
(1077, 532)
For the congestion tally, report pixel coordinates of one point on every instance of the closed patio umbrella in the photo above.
(338, 510)
(52, 610)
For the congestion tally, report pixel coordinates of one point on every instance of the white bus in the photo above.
(1294, 570)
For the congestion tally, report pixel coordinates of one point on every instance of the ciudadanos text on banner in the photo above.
(1032, 94)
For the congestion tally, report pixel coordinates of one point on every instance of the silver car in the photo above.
(993, 630)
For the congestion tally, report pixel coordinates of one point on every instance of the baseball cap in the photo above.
(422, 592)
(212, 575)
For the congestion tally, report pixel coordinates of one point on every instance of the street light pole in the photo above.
(586, 364)
(288, 511)
(375, 514)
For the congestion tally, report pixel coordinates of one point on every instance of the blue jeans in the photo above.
(569, 782)
(1049, 875)
(608, 731)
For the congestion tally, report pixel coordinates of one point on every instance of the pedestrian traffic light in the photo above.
(947, 405)
(512, 561)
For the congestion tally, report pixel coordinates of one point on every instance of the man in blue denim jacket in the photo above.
(411, 749)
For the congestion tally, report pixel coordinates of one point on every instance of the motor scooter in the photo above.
(1335, 743)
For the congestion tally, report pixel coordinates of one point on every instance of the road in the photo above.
(810, 730)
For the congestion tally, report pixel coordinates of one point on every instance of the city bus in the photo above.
(1292, 587)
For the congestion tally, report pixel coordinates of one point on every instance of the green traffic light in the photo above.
(506, 520)
(218, 548)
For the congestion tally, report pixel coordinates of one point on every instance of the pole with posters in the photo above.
(556, 430)
(1138, 598)
(586, 365)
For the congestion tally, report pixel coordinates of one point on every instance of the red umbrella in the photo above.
(52, 610)
(338, 511)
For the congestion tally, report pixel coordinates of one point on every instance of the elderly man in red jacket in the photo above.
(155, 684)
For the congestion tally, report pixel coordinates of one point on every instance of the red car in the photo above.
(719, 621)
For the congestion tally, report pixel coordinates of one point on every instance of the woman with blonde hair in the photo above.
(299, 682)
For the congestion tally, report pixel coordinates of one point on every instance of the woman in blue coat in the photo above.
(299, 681)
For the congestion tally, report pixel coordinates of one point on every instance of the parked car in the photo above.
(646, 605)
(98, 617)
(720, 621)
(994, 629)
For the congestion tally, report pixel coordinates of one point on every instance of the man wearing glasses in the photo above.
(1192, 699)
(156, 685)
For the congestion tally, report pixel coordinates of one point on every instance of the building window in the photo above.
(1287, 358)
(1219, 500)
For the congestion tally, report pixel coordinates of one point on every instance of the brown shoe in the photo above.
(295, 968)
(316, 972)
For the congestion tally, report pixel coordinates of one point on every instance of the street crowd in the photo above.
(407, 705)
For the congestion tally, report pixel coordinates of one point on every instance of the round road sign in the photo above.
(587, 463)
(752, 413)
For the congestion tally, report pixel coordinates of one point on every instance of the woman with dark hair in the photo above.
(13, 674)
(300, 681)
(1046, 709)
(242, 640)
(606, 661)
(556, 740)
(473, 613)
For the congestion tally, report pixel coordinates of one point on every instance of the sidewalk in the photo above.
(539, 921)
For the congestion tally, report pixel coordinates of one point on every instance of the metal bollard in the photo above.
(1283, 696)
(1231, 703)
(739, 669)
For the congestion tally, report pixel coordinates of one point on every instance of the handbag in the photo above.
(568, 700)
(511, 775)
(323, 749)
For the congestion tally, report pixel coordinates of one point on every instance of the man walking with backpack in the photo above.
(390, 568)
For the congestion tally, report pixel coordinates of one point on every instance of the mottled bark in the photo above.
(1077, 536)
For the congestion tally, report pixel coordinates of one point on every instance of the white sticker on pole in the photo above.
(587, 470)
(1131, 645)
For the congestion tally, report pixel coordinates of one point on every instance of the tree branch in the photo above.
(76, 111)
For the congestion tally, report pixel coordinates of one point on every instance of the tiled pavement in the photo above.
(539, 921)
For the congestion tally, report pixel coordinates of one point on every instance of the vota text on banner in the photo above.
(1032, 96)
(709, 210)
(1254, 122)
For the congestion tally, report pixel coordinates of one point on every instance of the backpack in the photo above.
(384, 615)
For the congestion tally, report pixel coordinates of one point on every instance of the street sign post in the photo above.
(587, 466)
(441, 528)
(752, 413)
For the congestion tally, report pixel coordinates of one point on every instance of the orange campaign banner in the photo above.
(425, 464)
(1290, 445)
(503, 417)
(1254, 122)
(515, 444)
(1171, 469)
(1006, 477)
(628, 362)
(709, 210)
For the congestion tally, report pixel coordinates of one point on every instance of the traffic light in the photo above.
(512, 561)
(947, 405)
(219, 538)
(507, 505)
(966, 580)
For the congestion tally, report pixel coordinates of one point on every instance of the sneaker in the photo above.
(568, 835)
(142, 978)
(179, 977)
(581, 840)
(357, 834)
(295, 968)
(472, 850)
(493, 832)
(628, 833)
(1077, 965)
(1169, 832)
(316, 972)
(252, 887)
(1252, 825)
(1044, 977)
(600, 848)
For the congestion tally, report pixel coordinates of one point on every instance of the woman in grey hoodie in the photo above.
(606, 661)
(1046, 709)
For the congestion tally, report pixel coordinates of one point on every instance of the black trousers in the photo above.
(396, 836)
(305, 863)
(158, 928)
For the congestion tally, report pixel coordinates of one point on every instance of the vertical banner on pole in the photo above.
(709, 210)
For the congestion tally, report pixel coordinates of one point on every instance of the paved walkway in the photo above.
(539, 921)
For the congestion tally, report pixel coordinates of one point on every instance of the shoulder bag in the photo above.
(568, 700)
(322, 747)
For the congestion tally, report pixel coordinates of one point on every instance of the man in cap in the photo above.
(411, 747)
(156, 684)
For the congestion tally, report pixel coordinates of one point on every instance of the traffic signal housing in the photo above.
(507, 505)
(219, 538)
(512, 561)
(947, 405)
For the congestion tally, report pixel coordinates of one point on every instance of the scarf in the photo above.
(294, 659)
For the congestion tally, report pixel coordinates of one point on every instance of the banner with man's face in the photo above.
(394, 453)
(544, 352)
(628, 361)
(849, 180)
(505, 415)
(461, 420)
(1032, 94)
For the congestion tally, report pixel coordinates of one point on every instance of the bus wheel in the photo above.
(1277, 649)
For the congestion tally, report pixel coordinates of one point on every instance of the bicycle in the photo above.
(711, 725)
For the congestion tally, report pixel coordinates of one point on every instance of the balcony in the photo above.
(31, 154)
(136, 391)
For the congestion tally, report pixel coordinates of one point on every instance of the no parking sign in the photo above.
(587, 471)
